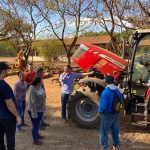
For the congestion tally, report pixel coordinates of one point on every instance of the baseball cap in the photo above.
(109, 79)
(4, 66)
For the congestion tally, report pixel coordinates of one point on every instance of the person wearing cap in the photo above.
(109, 119)
(8, 111)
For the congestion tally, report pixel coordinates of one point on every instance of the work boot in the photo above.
(37, 143)
(41, 137)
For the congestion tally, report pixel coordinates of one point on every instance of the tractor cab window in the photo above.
(80, 51)
(141, 67)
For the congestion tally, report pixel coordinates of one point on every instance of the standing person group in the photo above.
(67, 82)
(36, 96)
(8, 111)
(109, 118)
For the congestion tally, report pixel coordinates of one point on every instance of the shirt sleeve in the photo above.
(103, 102)
(61, 76)
(78, 75)
(33, 104)
(7, 92)
(15, 91)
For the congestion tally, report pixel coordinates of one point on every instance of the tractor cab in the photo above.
(139, 72)
(139, 76)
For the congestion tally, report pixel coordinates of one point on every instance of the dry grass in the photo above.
(67, 136)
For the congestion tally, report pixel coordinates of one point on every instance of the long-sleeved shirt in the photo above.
(20, 89)
(68, 82)
(36, 100)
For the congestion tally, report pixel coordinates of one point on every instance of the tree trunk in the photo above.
(115, 45)
(26, 55)
(68, 57)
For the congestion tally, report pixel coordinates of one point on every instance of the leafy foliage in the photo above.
(7, 49)
(49, 49)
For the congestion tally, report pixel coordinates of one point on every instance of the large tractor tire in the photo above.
(83, 111)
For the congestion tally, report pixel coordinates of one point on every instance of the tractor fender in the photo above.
(94, 80)
(94, 96)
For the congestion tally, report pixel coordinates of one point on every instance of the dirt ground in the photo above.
(67, 136)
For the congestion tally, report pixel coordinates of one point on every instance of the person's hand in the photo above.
(91, 72)
(18, 119)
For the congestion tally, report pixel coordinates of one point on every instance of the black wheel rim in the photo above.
(86, 110)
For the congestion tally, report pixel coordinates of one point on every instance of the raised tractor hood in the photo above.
(106, 62)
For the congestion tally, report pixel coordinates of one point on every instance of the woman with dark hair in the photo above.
(40, 73)
(36, 106)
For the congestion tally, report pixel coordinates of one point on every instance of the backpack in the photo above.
(116, 104)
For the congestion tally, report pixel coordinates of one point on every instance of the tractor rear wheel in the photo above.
(83, 111)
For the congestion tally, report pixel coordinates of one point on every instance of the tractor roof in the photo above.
(145, 31)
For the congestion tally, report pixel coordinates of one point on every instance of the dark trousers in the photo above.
(21, 109)
(64, 100)
(35, 125)
(8, 127)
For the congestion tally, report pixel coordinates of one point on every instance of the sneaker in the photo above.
(37, 143)
(115, 148)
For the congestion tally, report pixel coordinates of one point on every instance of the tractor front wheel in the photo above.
(83, 111)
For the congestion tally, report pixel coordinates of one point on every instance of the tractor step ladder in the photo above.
(143, 114)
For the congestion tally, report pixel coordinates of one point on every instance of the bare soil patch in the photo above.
(67, 136)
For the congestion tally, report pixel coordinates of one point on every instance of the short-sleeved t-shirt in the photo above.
(5, 93)
(68, 82)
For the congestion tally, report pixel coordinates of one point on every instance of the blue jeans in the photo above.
(109, 122)
(64, 100)
(21, 106)
(36, 125)
(21, 109)
(8, 127)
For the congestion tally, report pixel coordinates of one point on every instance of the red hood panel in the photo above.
(105, 61)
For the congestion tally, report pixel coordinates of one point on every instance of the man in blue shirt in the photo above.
(8, 111)
(67, 82)
(109, 119)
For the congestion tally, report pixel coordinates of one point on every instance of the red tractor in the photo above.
(133, 75)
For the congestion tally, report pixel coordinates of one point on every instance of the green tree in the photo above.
(49, 49)
(91, 33)
(7, 49)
